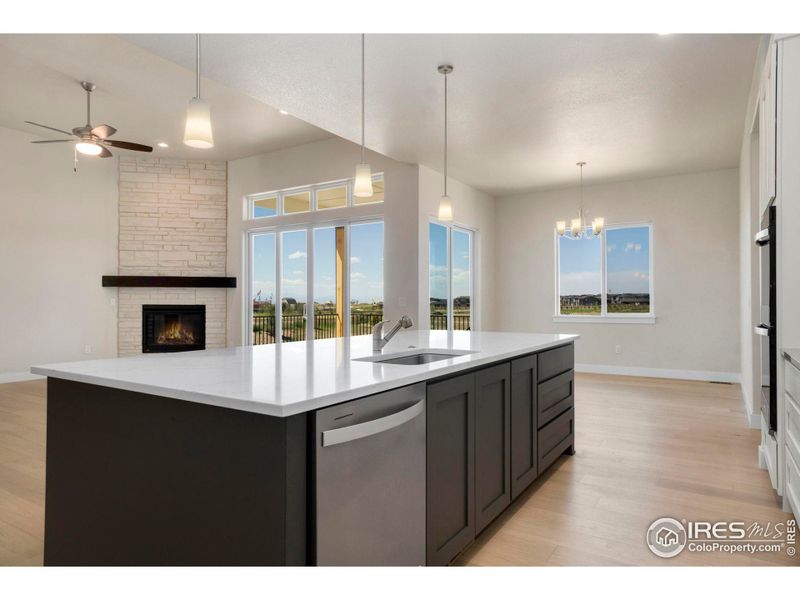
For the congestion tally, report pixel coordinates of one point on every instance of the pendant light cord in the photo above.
(445, 134)
(363, 153)
(197, 59)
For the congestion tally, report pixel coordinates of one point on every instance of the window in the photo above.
(313, 198)
(281, 285)
(608, 277)
(451, 276)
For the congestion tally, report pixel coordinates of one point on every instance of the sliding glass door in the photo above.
(315, 282)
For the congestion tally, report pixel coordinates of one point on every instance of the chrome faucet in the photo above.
(379, 341)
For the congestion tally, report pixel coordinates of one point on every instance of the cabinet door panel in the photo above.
(492, 443)
(450, 468)
(523, 424)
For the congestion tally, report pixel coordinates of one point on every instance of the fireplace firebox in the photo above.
(173, 327)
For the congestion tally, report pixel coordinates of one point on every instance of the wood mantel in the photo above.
(167, 281)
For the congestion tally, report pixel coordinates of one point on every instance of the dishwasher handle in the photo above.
(362, 430)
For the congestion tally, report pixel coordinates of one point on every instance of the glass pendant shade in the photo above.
(362, 187)
(597, 225)
(445, 209)
(89, 148)
(576, 226)
(561, 227)
(198, 132)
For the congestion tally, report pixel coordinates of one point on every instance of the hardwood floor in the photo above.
(646, 448)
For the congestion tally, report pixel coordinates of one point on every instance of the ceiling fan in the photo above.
(92, 140)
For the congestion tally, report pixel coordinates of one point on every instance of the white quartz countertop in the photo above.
(293, 378)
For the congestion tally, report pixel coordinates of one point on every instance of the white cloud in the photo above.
(581, 282)
(295, 282)
(358, 276)
(612, 247)
(628, 246)
(296, 255)
(354, 260)
(620, 282)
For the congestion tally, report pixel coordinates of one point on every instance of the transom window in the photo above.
(609, 277)
(312, 198)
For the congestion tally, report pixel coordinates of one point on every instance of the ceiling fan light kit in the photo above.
(198, 132)
(91, 141)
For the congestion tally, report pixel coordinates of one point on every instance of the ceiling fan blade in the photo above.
(128, 145)
(105, 153)
(103, 131)
(50, 141)
(48, 127)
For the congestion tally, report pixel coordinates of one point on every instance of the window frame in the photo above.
(604, 316)
(473, 280)
(278, 229)
(250, 199)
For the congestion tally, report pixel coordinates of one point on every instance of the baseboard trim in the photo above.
(661, 373)
(18, 376)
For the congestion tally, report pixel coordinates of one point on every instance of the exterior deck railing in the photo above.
(293, 327)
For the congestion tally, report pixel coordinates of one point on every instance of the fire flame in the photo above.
(175, 334)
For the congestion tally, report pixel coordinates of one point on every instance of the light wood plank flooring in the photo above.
(646, 448)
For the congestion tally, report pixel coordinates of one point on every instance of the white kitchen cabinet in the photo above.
(767, 126)
(791, 490)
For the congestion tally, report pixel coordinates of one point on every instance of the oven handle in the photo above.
(763, 330)
(762, 237)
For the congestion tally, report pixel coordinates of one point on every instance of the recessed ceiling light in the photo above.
(163, 145)
(283, 112)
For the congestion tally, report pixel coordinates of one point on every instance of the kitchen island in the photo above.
(214, 457)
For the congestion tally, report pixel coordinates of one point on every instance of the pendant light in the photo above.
(198, 132)
(445, 204)
(578, 226)
(362, 187)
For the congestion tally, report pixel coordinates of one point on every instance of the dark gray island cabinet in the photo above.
(490, 434)
(196, 459)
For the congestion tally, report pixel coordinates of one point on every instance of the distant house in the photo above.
(636, 299)
(580, 300)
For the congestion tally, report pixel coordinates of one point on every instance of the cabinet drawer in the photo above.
(555, 396)
(792, 377)
(555, 438)
(792, 426)
(556, 361)
(792, 490)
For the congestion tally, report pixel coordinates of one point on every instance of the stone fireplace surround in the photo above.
(172, 221)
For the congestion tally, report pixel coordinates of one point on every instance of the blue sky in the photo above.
(437, 251)
(366, 264)
(627, 262)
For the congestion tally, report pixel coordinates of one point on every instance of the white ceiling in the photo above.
(524, 108)
(141, 94)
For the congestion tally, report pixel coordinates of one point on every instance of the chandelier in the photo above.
(579, 226)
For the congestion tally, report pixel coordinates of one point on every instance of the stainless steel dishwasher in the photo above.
(370, 480)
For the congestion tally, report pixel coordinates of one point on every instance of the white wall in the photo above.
(58, 236)
(472, 209)
(696, 269)
(318, 162)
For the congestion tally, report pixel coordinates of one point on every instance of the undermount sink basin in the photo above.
(419, 357)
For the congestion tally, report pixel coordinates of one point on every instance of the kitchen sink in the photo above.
(419, 357)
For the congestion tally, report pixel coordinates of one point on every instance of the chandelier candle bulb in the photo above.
(576, 226)
(561, 227)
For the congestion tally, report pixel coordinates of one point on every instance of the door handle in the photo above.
(362, 430)
(762, 237)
